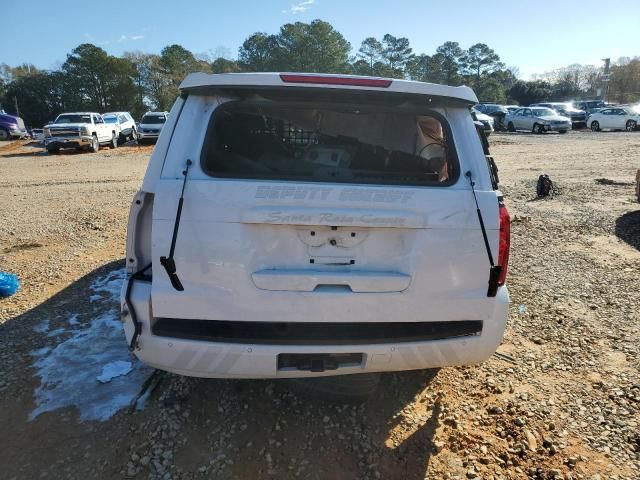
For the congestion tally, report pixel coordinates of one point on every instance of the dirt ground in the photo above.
(560, 400)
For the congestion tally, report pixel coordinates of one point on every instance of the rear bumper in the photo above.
(238, 359)
(18, 133)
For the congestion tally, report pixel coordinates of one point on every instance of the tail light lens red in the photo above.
(327, 80)
(505, 243)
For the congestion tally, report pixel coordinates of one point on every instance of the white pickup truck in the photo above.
(80, 130)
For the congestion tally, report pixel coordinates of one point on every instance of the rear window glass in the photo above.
(350, 143)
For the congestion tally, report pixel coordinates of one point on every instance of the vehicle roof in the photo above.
(156, 113)
(199, 81)
(114, 113)
(79, 113)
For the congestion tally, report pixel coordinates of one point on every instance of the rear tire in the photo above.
(562, 131)
(595, 126)
(355, 388)
(511, 127)
(4, 134)
(95, 145)
(631, 126)
(53, 150)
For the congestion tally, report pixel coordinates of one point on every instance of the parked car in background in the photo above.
(80, 130)
(495, 111)
(537, 120)
(150, 126)
(566, 109)
(126, 125)
(323, 232)
(486, 121)
(37, 134)
(589, 106)
(512, 108)
(487, 108)
(11, 127)
(614, 118)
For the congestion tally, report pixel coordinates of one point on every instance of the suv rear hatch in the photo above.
(323, 207)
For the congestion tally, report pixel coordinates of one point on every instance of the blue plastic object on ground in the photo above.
(9, 284)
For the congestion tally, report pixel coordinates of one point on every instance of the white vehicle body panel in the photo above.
(403, 253)
(613, 118)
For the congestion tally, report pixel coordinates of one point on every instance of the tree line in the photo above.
(91, 79)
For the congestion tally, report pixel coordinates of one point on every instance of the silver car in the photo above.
(537, 120)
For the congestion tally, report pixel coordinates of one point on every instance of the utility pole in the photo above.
(606, 76)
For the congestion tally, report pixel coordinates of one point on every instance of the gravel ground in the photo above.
(561, 400)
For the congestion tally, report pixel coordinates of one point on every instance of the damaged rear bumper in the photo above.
(222, 353)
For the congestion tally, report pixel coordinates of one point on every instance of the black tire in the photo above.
(537, 128)
(141, 141)
(53, 150)
(562, 131)
(122, 139)
(630, 126)
(4, 134)
(595, 126)
(511, 127)
(95, 144)
(114, 140)
(355, 388)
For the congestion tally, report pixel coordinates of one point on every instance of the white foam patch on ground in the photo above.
(69, 372)
(113, 370)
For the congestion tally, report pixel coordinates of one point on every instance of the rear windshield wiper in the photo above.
(168, 262)
(495, 270)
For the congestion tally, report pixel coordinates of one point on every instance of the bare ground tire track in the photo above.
(566, 407)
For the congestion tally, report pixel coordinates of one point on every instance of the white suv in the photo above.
(151, 126)
(299, 225)
(125, 123)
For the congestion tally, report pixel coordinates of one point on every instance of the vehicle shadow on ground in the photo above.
(260, 426)
(45, 327)
(628, 228)
(271, 429)
(42, 153)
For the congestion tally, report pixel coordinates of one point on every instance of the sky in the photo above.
(534, 36)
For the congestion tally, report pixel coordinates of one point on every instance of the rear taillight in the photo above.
(331, 80)
(505, 243)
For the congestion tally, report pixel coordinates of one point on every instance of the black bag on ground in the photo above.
(545, 186)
